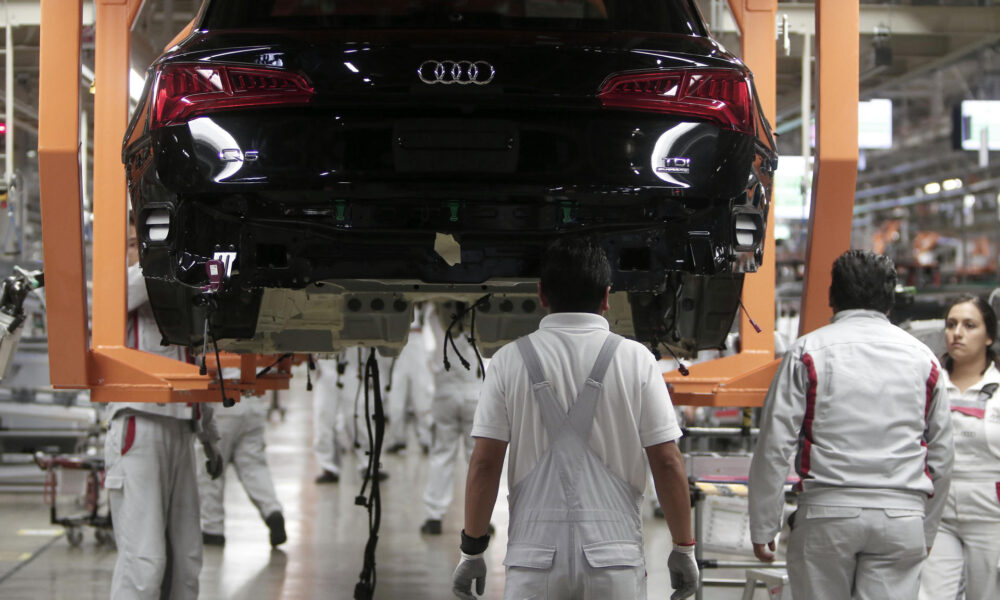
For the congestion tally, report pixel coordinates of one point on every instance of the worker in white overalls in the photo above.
(150, 474)
(456, 393)
(339, 410)
(578, 405)
(412, 387)
(242, 429)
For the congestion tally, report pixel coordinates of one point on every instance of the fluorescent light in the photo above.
(932, 188)
(350, 66)
(951, 184)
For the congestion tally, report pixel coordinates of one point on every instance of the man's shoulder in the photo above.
(871, 332)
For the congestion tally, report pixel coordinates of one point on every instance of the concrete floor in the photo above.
(327, 534)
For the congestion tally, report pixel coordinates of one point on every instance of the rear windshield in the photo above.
(663, 16)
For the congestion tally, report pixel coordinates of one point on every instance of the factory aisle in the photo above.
(326, 537)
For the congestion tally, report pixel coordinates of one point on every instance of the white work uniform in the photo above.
(576, 468)
(340, 411)
(456, 394)
(242, 430)
(968, 540)
(150, 478)
(411, 385)
(863, 406)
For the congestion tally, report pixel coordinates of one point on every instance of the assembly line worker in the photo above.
(339, 411)
(968, 540)
(576, 470)
(242, 429)
(863, 406)
(412, 387)
(150, 475)
(456, 393)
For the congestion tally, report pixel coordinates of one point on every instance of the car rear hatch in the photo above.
(581, 104)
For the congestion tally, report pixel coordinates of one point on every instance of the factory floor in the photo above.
(326, 531)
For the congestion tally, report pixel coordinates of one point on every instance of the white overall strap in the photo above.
(553, 416)
(581, 414)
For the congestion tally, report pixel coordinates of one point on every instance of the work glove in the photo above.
(683, 572)
(471, 568)
(214, 464)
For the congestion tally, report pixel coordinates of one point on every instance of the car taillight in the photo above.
(720, 96)
(185, 90)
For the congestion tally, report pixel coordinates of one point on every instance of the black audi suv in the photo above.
(345, 159)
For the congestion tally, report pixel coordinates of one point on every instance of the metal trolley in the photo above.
(76, 481)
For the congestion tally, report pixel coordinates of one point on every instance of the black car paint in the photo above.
(356, 183)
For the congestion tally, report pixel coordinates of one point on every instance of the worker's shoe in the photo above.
(213, 539)
(431, 527)
(396, 448)
(327, 477)
(276, 523)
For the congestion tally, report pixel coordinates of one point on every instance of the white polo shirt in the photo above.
(633, 412)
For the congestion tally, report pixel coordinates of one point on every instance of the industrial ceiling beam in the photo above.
(900, 20)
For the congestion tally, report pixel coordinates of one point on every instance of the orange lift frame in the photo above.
(114, 372)
(743, 379)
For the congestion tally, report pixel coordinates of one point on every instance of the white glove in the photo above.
(683, 572)
(471, 568)
(214, 464)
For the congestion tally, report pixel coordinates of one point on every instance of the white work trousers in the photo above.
(329, 439)
(967, 542)
(412, 385)
(453, 412)
(242, 445)
(153, 495)
(836, 553)
(339, 412)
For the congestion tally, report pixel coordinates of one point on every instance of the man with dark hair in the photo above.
(863, 407)
(576, 471)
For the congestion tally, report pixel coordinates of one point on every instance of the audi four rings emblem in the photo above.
(462, 72)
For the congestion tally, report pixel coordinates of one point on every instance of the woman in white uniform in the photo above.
(967, 546)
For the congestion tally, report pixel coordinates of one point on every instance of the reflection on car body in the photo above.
(346, 159)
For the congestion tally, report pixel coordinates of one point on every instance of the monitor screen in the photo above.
(972, 118)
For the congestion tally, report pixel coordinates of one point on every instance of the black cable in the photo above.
(226, 401)
(310, 366)
(365, 588)
(268, 368)
(680, 366)
(472, 336)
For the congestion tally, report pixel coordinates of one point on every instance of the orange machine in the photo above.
(113, 372)
(116, 373)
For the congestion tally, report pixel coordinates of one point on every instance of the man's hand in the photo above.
(214, 464)
(764, 553)
(471, 568)
(683, 572)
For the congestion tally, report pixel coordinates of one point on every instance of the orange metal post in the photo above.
(111, 75)
(736, 380)
(837, 56)
(62, 223)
